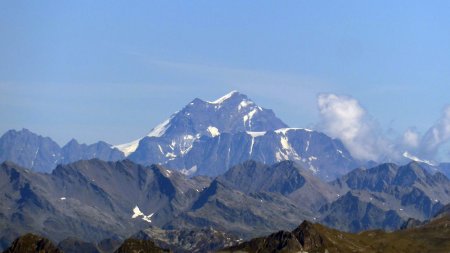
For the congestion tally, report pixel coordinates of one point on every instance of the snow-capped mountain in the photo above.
(209, 137)
(232, 113)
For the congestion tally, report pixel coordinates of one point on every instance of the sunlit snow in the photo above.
(213, 131)
(221, 99)
(137, 213)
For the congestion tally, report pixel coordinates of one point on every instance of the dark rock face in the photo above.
(30, 243)
(351, 213)
(137, 246)
(308, 236)
(43, 154)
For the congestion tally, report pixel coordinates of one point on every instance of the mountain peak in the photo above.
(231, 113)
(230, 95)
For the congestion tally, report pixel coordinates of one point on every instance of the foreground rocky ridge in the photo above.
(30, 243)
(430, 236)
(315, 238)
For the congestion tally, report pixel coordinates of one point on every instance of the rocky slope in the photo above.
(287, 178)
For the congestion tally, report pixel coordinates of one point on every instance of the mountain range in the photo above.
(203, 138)
(94, 200)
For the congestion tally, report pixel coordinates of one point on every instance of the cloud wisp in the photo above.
(435, 137)
(343, 117)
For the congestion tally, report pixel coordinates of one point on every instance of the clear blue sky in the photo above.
(111, 70)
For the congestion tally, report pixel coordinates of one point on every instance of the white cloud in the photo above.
(343, 117)
(411, 139)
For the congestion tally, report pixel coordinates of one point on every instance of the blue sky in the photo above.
(111, 70)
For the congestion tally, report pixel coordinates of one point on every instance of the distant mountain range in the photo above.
(42, 154)
(203, 138)
(95, 200)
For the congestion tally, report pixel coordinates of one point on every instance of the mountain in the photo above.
(40, 153)
(354, 213)
(29, 150)
(231, 113)
(30, 243)
(385, 196)
(316, 238)
(326, 157)
(207, 138)
(307, 237)
(286, 178)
